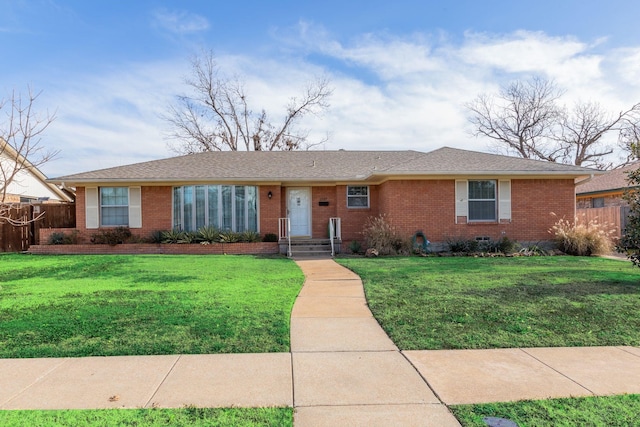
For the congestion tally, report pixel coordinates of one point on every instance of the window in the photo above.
(482, 200)
(597, 202)
(357, 196)
(228, 207)
(114, 206)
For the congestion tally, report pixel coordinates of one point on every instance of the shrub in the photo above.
(60, 238)
(270, 237)
(111, 236)
(630, 241)
(209, 234)
(249, 237)
(172, 236)
(582, 239)
(156, 236)
(355, 247)
(381, 235)
(229, 237)
(507, 246)
(460, 245)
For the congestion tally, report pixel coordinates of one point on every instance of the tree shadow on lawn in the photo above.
(572, 289)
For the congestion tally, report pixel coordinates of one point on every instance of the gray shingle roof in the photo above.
(320, 166)
(610, 181)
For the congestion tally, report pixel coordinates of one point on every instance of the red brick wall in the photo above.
(353, 219)
(429, 206)
(156, 210)
(270, 209)
(320, 214)
(411, 205)
(156, 213)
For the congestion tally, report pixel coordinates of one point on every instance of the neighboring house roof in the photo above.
(612, 181)
(323, 166)
(30, 181)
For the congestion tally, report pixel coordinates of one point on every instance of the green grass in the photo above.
(242, 417)
(59, 306)
(609, 411)
(464, 302)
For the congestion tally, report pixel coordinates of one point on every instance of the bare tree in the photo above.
(581, 131)
(629, 137)
(520, 119)
(525, 119)
(21, 128)
(218, 115)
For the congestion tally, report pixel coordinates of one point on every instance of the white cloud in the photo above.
(180, 21)
(415, 99)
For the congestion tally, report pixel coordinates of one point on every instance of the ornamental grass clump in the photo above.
(583, 239)
(381, 235)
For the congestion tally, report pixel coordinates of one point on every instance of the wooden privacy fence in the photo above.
(615, 216)
(19, 238)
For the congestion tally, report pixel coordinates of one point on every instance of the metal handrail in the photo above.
(335, 232)
(284, 232)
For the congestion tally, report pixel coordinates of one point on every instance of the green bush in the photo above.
(582, 239)
(381, 235)
(355, 247)
(249, 237)
(111, 236)
(156, 236)
(172, 236)
(460, 245)
(630, 241)
(60, 238)
(209, 234)
(229, 237)
(270, 237)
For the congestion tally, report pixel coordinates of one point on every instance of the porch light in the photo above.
(269, 195)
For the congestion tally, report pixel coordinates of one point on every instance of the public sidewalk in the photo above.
(343, 370)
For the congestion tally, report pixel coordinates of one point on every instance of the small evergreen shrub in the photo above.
(630, 241)
(60, 238)
(249, 237)
(355, 247)
(581, 239)
(270, 237)
(172, 236)
(460, 245)
(229, 237)
(209, 234)
(156, 237)
(111, 236)
(381, 235)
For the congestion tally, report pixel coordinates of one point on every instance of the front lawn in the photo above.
(232, 417)
(608, 411)
(465, 302)
(95, 305)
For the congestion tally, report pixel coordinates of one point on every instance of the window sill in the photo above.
(483, 222)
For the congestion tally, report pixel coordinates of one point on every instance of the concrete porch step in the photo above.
(310, 247)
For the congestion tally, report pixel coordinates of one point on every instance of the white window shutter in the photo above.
(462, 196)
(91, 207)
(135, 207)
(504, 200)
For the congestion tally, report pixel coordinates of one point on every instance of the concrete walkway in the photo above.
(343, 370)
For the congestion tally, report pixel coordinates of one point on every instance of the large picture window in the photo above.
(227, 207)
(357, 196)
(482, 200)
(114, 206)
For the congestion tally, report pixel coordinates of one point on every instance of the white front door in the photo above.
(299, 210)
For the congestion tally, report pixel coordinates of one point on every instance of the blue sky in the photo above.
(401, 71)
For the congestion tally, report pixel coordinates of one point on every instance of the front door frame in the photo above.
(309, 204)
